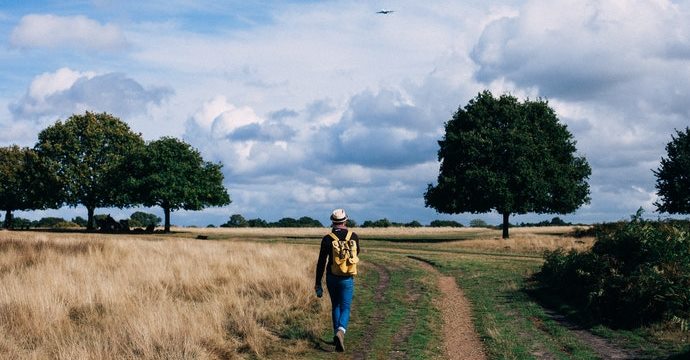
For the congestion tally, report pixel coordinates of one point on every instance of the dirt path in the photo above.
(460, 339)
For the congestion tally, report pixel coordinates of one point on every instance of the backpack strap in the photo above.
(336, 238)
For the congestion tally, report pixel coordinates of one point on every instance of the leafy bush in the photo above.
(142, 219)
(478, 223)
(49, 222)
(413, 223)
(236, 220)
(65, 225)
(22, 223)
(384, 223)
(636, 274)
(80, 221)
(445, 223)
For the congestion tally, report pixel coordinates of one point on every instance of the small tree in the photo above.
(511, 157)
(90, 154)
(140, 218)
(236, 220)
(174, 176)
(478, 223)
(673, 176)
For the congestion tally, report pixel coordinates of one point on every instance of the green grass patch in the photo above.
(510, 323)
(401, 319)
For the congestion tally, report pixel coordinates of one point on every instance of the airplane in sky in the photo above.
(385, 12)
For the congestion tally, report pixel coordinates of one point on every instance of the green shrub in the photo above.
(49, 222)
(637, 273)
(65, 225)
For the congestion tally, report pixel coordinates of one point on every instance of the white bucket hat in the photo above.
(338, 216)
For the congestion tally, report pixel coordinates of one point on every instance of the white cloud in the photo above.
(52, 31)
(328, 104)
(60, 94)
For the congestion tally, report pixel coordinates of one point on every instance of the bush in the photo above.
(80, 221)
(22, 223)
(636, 274)
(142, 219)
(384, 223)
(65, 225)
(478, 223)
(445, 223)
(49, 222)
(257, 223)
(236, 220)
(413, 223)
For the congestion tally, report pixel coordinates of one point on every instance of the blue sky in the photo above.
(313, 105)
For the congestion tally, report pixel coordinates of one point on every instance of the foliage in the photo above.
(27, 183)
(511, 157)
(142, 219)
(478, 223)
(90, 154)
(350, 223)
(413, 223)
(174, 176)
(445, 223)
(80, 221)
(257, 223)
(556, 221)
(49, 222)
(302, 222)
(65, 225)
(673, 176)
(635, 275)
(381, 223)
(236, 220)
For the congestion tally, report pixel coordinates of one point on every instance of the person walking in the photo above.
(339, 256)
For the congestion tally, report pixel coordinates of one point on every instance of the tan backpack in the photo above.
(344, 255)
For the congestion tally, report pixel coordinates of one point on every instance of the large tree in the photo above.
(174, 176)
(27, 183)
(509, 156)
(673, 176)
(91, 154)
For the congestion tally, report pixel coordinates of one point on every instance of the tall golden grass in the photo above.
(528, 240)
(79, 296)
(522, 239)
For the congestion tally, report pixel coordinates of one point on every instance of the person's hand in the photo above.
(319, 291)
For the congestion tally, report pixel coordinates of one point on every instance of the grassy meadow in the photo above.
(202, 293)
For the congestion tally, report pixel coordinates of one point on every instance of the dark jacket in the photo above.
(325, 258)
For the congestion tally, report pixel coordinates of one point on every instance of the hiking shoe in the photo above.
(339, 340)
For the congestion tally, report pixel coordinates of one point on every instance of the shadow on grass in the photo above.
(579, 317)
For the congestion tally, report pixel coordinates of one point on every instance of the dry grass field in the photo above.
(75, 295)
(528, 239)
(80, 296)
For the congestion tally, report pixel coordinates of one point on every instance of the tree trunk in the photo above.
(8, 219)
(505, 224)
(166, 210)
(90, 222)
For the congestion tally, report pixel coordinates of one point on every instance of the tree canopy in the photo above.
(90, 154)
(509, 156)
(673, 176)
(27, 183)
(173, 175)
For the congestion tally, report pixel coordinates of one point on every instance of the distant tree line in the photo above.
(138, 219)
(237, 220)
(95, 160)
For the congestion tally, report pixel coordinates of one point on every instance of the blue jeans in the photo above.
(341, 290)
